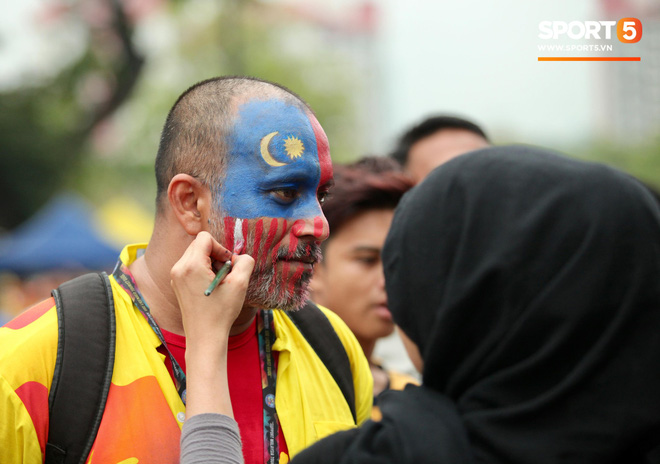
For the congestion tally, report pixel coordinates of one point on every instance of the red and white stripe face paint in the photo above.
(284, 253)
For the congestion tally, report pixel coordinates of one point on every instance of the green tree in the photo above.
(641, 160)
(45, 127)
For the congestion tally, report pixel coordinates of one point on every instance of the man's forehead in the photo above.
(257, 110)
(274, 143)
(271, 133)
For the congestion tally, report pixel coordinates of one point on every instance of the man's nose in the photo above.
(316, 227)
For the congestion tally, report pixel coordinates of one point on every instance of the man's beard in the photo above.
(268, 289)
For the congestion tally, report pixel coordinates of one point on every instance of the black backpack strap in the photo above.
(319, 333)
(83, 370)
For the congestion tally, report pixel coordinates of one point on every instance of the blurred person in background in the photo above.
(242, 169)
(11, 297)
(434, 141)
(527, 289)
(18, 292)
(349, 280)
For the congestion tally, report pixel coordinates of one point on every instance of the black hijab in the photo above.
(531, 284)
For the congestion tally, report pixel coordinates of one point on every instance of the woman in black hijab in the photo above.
(530, 284)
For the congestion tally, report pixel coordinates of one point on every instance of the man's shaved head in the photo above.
(194, 138)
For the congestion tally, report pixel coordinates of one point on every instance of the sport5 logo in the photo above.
(628, 30)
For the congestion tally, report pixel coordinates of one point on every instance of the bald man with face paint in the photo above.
(242, 169)
(271, 201)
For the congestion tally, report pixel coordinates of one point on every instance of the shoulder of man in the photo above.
(362, 378)
(359, 366)
(28, 352)
(28, 345)
(345, 334)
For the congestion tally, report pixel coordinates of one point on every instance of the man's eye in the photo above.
(286, 195)
(323, 196)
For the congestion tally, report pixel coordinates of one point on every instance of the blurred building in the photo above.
(632, 101)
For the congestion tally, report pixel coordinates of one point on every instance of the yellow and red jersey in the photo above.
(144, 413)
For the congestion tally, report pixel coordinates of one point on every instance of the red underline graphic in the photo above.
(590, 58)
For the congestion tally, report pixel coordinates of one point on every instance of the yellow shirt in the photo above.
(144, 413)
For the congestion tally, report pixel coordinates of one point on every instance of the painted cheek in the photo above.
(270, 237)
(260, 252)
(267, 231)
(256, 246)
(229, 223)
(273, 255)
(241, 245)
(276, 245)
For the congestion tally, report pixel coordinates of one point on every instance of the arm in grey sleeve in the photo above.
(211, 439)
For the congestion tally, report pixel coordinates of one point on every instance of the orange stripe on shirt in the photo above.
(29, 316)
(35, 398)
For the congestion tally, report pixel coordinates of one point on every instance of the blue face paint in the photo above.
(273, 167)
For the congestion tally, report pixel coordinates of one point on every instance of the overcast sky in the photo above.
(479, 58)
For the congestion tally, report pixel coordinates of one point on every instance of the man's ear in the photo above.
(191, 203)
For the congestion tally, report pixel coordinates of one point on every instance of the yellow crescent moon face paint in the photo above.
(265, 154)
